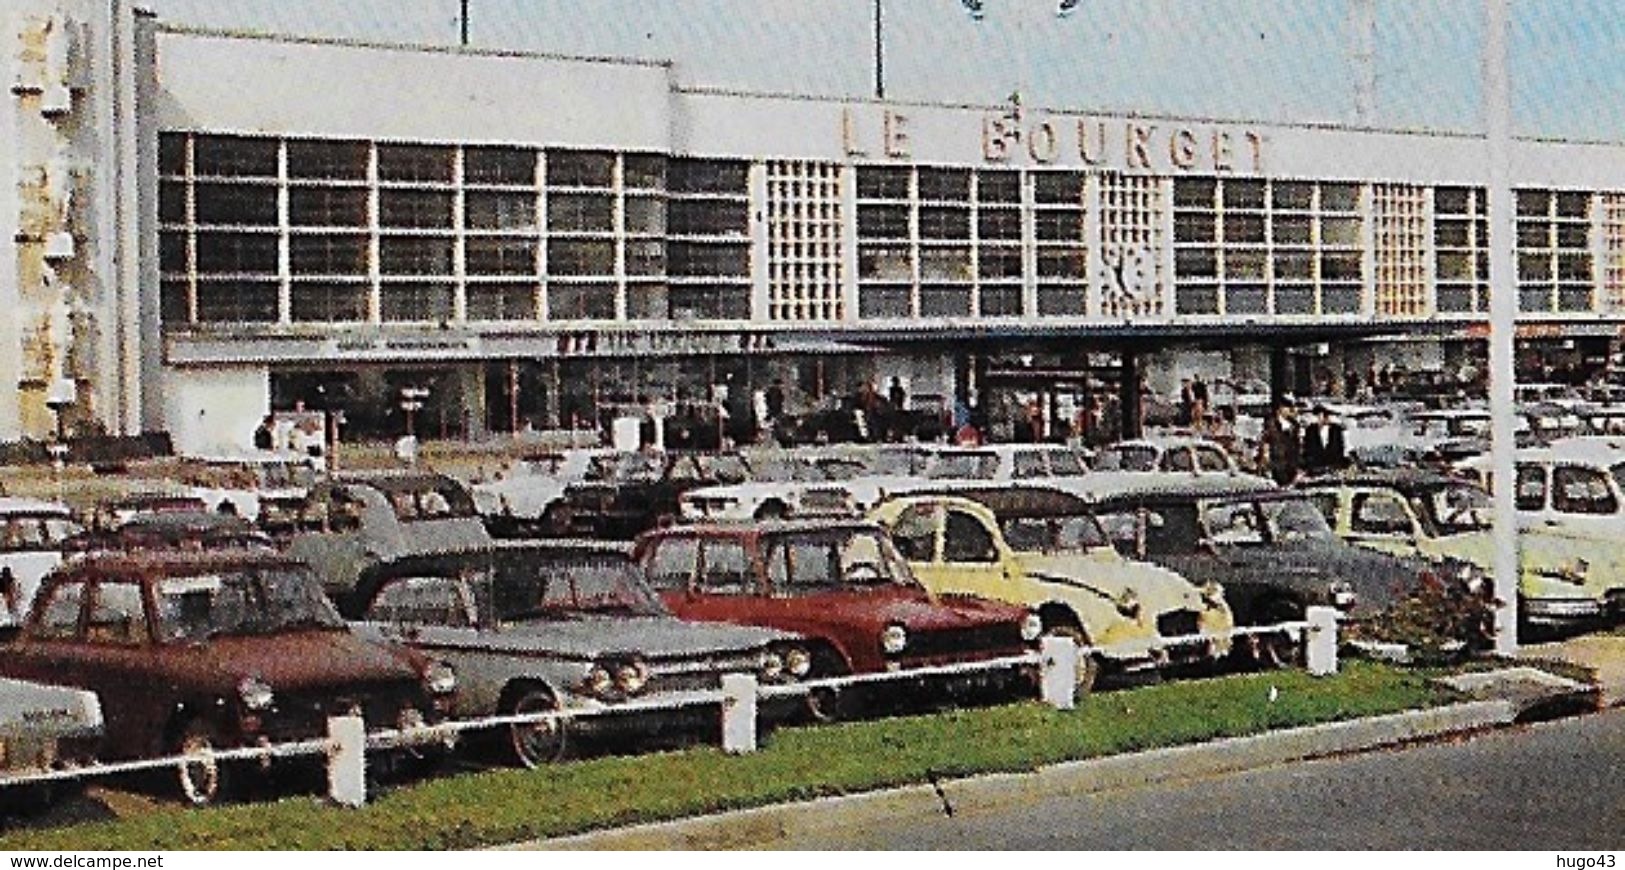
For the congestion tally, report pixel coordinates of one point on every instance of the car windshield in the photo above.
(839, 469)
(635, 467)
(1074, 534)
(1454, 510)
(811, 563)
(1295, 519)
(963, 466)
(565, 589)
(783, 469)
(1126, 457)
(270, 600)
(896, 462)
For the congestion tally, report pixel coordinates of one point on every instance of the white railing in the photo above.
(348, 742)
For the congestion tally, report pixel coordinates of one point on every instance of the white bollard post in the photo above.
(1059, 672)
(347, 763)
(739, 713)
(1321, 644)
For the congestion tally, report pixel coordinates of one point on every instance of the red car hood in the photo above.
(914, 609)
(294, 661)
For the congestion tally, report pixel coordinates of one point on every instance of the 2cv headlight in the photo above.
(893, 639)
(1032, 625)
(631, 677)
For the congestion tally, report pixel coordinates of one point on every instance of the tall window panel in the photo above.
(708, 239)
(1399, 214)
(1554, 251)
(500, 233)
(329, 231)
(1059, 238)
(804, 250)
(219, 237)
(886, 249)
(1461, 252)
(999, 269)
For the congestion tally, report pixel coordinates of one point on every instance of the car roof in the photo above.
(12, 504)
(1102, 486)
(1408, 479)
(765, 527)
(176, 562)
(1007, 502)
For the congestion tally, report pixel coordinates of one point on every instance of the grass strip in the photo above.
(507, 806)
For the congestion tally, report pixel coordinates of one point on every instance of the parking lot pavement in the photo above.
(1601, 654)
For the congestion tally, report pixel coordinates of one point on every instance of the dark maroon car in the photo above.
(840, 583)
(197, 650)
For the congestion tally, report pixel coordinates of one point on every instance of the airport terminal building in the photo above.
(203, 226)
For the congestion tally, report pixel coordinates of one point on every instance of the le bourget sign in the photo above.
(1015, 137)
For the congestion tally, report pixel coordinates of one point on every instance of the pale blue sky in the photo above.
(1273, 60)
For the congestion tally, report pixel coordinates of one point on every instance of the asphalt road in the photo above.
(1556, 785)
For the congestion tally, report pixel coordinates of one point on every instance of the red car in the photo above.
(840, 583)
(196, 650)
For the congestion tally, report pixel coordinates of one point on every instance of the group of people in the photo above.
(1291, 450)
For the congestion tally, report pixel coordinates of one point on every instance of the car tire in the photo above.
(206, 780)
(1276, 650)
(540, 744)
(831, 704)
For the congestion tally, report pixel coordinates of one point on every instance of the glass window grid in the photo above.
(1554, 259)
(1461, 231)
(1061, 254)
(334, 191)
(694, 185)
(1267, 254)
(937, 242)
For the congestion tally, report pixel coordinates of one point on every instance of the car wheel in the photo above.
(1088, 663)
(1276, 650)
(541, 743)
(203, 779)
(831, 704)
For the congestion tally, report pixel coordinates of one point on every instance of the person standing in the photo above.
(265, 434)
(1324, 449)
(1282, 444)
(775, 400)
(896, 395)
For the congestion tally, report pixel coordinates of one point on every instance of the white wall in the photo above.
(261, 85)
(215, 409)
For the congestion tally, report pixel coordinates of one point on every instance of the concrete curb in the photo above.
(761, 827)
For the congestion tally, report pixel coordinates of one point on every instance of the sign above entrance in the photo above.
(1017, 137)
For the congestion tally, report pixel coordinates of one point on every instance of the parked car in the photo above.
(840, 583)
(844, 480)
(193, 651)
(1574, 484)
(1270, 548)
(264, 486)
(1042, 549)
(1191, 454)
(43, 728)
(32, 534)
(524, 500)
(624, 494)
(356, 519)
(532, 626)
(172, 530)
(1565, 579)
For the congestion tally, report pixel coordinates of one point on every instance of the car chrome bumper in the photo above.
(1561, 610)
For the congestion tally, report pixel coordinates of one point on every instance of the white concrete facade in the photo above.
(95, 86)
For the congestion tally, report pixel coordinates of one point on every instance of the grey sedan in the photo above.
(543, 625)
